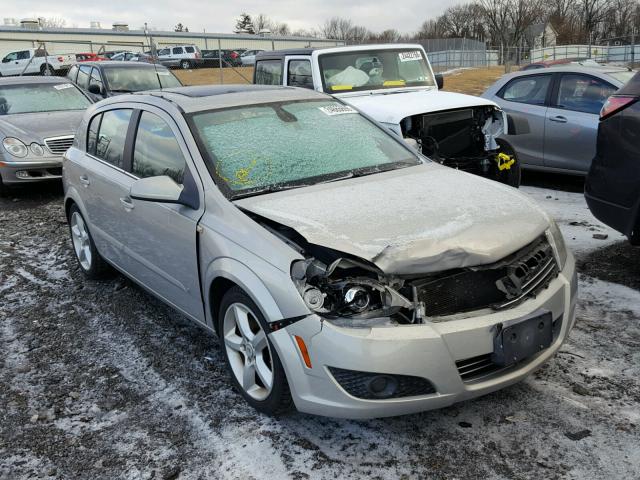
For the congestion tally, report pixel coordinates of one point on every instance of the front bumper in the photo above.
(25, 171)
(429, 351)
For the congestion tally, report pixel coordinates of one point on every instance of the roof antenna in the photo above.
(154, 55)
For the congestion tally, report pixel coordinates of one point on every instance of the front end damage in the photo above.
(465, 139)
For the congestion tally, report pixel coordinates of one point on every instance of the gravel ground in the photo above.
(101, 381)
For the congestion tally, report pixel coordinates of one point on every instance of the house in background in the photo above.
(540, 35)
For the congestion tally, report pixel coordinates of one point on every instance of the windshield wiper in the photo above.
(121, 90)
(261, 191)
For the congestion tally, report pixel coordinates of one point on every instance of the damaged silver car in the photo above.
(344, 273)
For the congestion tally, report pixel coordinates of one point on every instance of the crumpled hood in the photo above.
(393, 107)
(35, 127)
(415, 220)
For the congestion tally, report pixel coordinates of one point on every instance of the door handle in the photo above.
(127, 203)
(85, 180)
(559, 119)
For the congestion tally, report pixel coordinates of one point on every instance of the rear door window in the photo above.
(269, 72)
(156, 150)
(73, 72)
(299, 74)
(176, 50)
(112, 135)
(583, 93)
(189, 49)
(531, 89)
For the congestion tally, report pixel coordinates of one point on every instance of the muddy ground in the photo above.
(98, 380)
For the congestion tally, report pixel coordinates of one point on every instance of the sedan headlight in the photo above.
(559, 247)
(36, 149)
(15, 147)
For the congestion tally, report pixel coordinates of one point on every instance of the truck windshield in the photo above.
(374, 69)
(263, 148)
(130, 79)
(41, 97)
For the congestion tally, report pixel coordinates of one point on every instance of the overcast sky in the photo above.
(219, 16)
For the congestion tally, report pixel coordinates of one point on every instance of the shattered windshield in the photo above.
(374, 69)
(43, 97)
(260, 148)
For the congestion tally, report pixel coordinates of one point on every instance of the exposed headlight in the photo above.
(36, 149)
(15, 147)
(343, 290)
(557, 241)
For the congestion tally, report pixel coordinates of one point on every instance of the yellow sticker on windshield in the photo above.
(342, 87)
(394, 83)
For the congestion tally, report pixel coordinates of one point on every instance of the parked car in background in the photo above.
(249, 57)
(182, 56)
(38, 119)
(106, 79)
(584, 62)
(554, 113)
(211, 58)
(132, 57)
(395, 85)
(111, 53)
(612, 188)
(34, 61)
(89, 57)
(412, 298)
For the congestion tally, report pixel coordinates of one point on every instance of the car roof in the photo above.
(117, 63)
(568, 68)
(288, 51)
(32, 80)
(212, 97)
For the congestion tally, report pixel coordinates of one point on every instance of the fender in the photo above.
(246, 279)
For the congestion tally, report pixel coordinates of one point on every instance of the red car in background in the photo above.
(89, 57)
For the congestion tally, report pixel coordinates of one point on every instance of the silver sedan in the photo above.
(343, 273)
(554, 114)
(38, 119)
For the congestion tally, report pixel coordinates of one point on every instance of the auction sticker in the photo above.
(62, 86)
(337, 109)
(411, 56)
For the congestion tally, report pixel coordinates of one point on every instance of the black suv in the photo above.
(612, 188)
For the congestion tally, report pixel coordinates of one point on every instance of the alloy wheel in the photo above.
(81, 241)
(248, 351)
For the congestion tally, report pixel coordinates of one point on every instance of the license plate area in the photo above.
(520, 339)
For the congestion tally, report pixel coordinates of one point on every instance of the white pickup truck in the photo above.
(395, 85)
(35, 61)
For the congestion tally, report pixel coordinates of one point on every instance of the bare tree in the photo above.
(52, 22)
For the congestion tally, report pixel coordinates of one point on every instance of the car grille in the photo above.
(358, 384)
(500, 285)
(59, 145)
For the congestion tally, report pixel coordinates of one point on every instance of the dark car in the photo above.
(211, 58)
(612, 188)
(106, 79)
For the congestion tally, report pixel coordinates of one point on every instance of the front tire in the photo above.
(185, 64)
(253, 362)
(90, 261)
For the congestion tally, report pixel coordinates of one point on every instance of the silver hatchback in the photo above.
(554, 114)
(343, 273)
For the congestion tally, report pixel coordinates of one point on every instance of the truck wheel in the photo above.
(513, 175)
(253, 362)
(46, 70)
(185, 64)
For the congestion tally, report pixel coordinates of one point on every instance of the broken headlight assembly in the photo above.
(554, 235)
(347, 289)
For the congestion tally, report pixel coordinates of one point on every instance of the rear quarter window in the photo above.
(268, 72)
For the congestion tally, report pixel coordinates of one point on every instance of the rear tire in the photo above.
(91, 262)
(252, 360)
(512, 176)
(46, 70)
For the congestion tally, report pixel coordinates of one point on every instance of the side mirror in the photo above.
(95, 89)
(439, 81)
(157, 189)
